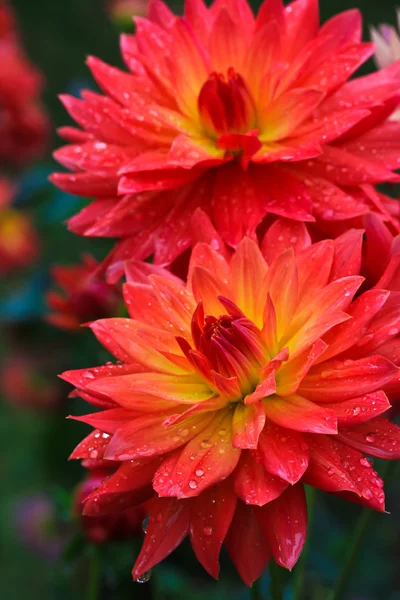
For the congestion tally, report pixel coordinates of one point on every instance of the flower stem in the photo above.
(301, 567)
(355, 542)
(256, 590)
(276, 588)
(93, 587)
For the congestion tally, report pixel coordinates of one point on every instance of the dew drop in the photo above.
(370, 437)
(192, 484)
(144, 577)
(199, 472)
(207, 531)
(365, 462)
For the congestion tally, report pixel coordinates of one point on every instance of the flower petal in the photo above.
(377, 437)
(129, 485)
(247, 424)
(210, 518)
(284, 523)
(283, 453)
(298, 413)
(336, 381)
(206, 459)
(335, 467)
(358, 410)
(167, 528)
(246, 544)
(147, 436)
(253, 484)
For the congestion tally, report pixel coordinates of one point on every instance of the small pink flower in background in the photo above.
(387, 42)
(84, 296)
(19, 243)
(24, 126)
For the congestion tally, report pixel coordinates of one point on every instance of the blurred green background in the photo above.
(34, 445)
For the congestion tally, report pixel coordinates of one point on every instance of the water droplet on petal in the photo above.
(193, 484)
(144, 577)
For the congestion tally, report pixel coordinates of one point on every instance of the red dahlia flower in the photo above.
(23, 123)
(85, 296)
(239, 115)
(236, 388)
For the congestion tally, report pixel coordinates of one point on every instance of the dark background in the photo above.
(34, 445)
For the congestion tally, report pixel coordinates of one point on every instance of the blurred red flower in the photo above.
(19, 244)
(237, 387)
(24, 126)
(239, 115)
(25, 384)
(84, 295)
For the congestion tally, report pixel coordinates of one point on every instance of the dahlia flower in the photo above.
(260, 374)
(121, 525)
(84, 295)
(23, 123)
(19, 244)
(240, 115)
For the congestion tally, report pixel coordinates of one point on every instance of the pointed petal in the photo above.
(246, 544)
(206, 459)
(335, 467)
(336, 381)
(210, 518)
(247, 424)
(284, 234)
(284, 523)
(298, 413)
(349, 333)
(93, 446)
(248, 269)
(253, 484)
(167, 528)
(377, 437)
(147, 436)
(129, 485)
(292, 373)
(361, 409)
(283, 453)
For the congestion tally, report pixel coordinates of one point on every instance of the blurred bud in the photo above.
(84, 295)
